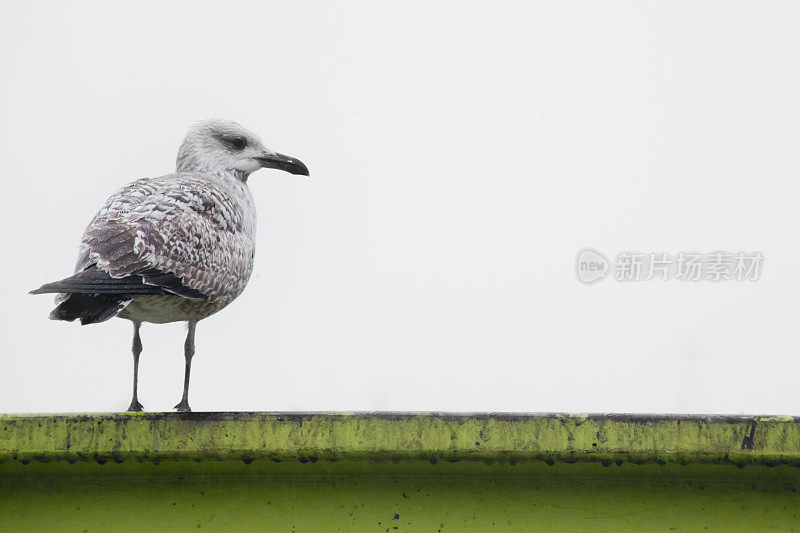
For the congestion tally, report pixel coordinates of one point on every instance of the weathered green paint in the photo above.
(356, 472)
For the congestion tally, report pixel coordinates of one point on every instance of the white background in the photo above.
(461, 155)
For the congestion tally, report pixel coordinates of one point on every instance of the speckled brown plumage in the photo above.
(200, 227)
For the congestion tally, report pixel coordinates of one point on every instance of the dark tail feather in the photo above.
(94, 281)
(89, 308)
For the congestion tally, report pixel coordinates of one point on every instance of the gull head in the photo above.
(219, 145)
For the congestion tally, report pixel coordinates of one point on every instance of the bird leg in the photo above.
(188, 352)
(136, 348)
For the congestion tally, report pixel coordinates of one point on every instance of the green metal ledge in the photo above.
(398, 472)
(449, 437)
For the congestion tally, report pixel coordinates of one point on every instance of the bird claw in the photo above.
(135, 407)
(183, 407)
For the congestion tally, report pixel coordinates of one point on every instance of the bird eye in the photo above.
(239, 143)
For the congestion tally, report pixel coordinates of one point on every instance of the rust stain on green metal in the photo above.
(398, 472)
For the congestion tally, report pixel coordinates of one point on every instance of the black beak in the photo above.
(283, 162)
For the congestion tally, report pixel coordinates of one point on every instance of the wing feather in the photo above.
(184, 233)
(95, 281)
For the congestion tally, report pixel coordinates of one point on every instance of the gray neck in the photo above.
(191, 166)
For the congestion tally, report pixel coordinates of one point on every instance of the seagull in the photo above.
(176, 248)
